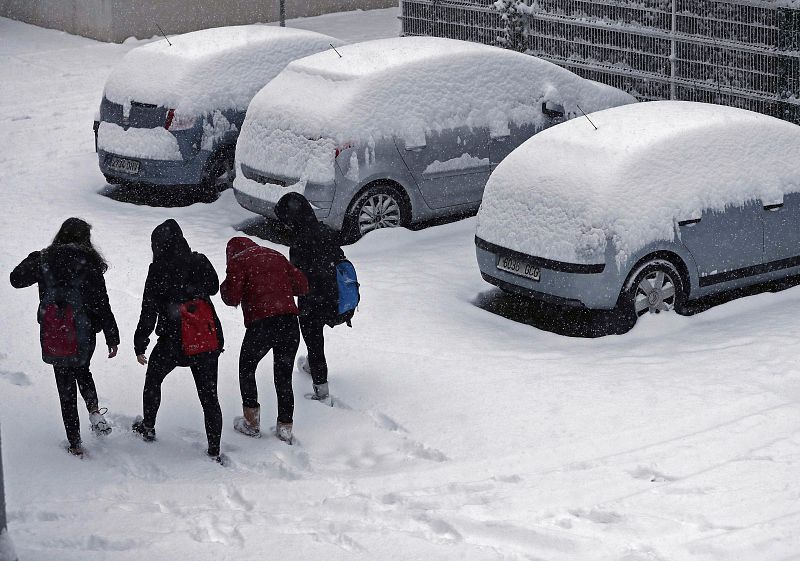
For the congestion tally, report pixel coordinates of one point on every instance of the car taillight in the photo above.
(178, 122)
(342, 148)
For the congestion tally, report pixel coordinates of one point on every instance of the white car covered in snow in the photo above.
(664, 202)
(171, 112)
(388, 132)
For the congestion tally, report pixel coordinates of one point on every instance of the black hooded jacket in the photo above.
(67, 263)
(176, 275)
(315, 251)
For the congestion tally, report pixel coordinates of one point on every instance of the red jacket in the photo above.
(261, 280)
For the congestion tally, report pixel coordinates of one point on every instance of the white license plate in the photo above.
(123, 165)
(518, 267)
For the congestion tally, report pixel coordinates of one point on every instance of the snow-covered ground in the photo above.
(460, 434)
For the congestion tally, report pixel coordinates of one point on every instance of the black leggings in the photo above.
(278, 333)
(66, 379)
(311, 326)
(165, 359)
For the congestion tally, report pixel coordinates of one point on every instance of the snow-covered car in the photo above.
(171, 112)
(665, 202)
(388, 132)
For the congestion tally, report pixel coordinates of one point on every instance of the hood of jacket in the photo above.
(167, 242)
(238, 245)
(294, 210)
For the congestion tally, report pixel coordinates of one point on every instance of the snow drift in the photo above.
(570, 190)
(218, 68)
(400, 87)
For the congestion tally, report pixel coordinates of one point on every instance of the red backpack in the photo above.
(198, 327)
(64, 327)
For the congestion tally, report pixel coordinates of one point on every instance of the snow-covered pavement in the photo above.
(459, 433)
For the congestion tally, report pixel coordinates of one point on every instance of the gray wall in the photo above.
(116, 20)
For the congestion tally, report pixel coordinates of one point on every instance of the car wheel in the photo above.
(376, 208)
(656, 287)
(217, 178)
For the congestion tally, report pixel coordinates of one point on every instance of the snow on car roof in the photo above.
(405, 87)
(218, 68)
(387, 55)
(569, 191)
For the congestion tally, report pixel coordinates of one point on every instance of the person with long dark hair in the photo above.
(177, 304)
(314, 250)
(73, 308)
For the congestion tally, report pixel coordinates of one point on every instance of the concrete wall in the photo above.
(116, 20)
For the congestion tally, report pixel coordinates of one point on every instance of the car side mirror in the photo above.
(553, 110)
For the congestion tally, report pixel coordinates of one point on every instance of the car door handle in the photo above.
(415, 148)
(690, 222)
(773, 208)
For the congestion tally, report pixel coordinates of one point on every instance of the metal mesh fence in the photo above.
(744, 53)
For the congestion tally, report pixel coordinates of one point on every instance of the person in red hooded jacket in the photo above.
(264, 284)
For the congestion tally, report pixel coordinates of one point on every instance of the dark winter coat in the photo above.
(261, 280)
(67, 263)
(176, 275)
(315, 250)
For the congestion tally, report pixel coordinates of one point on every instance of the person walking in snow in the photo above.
(315, 251)
(264, 283)
(177, 304)
(73, 308)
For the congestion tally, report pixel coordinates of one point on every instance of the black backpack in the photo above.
(64, 327)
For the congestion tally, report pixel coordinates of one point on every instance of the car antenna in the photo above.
(587, 117)
(162, 33)
(334, 48)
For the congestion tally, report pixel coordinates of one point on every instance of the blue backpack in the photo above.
(349, 295)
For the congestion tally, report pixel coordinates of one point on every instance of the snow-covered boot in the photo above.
(76, 450)
(250, 423)
(284, 432)
(99, 424)
(302, 364)
(148, 434)
(321, 391)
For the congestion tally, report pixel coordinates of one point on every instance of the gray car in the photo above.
(666, 202)
(171, 112)
(391, 132)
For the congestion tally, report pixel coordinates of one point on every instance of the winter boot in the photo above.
(250, 423)
(321, 391)
(148, 434)
(302, 364)
(76, 450)
(284, 432)
(99, 424)
(218, 458)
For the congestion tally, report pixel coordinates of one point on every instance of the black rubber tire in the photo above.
(350, 229)
(627, 307)
(209, 189)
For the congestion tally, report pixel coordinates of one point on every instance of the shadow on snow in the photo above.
(579, 322)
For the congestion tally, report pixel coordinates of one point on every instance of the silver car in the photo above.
(664, 203)
(171, 112)
(391, 132)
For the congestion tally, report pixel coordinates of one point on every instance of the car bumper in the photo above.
(577, 285)
(157, 172)
(259, 193)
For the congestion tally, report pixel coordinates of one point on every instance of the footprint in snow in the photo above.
(649, 474)
(15, 378)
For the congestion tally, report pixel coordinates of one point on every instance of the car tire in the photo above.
(656, 286)
(378, 207)
(217, 178)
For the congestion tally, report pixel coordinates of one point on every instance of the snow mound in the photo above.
(570, 190)
(401, 87)
(218, 68)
